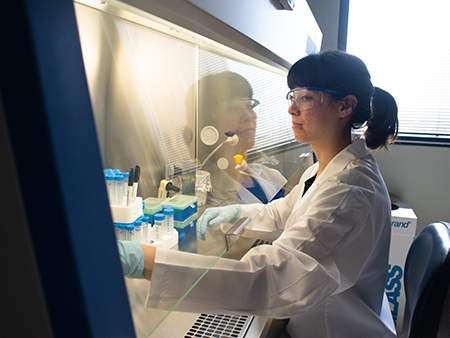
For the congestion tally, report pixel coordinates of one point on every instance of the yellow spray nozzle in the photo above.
(238, 159)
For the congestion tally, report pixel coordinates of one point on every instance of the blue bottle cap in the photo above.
(130, 227)
(122, 226)
(146, 219)
(138, 222)
(119, 178)
(110, 177)
(159, 217)
(168, 211)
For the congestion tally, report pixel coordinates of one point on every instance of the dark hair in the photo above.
(212, 90)
(216, 88)
(346, 73)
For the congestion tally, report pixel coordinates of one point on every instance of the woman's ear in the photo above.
(348, 105)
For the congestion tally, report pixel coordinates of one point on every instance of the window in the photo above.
(406, 47)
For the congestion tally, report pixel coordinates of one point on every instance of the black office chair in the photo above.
(427, 280)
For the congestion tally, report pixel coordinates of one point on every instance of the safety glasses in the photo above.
(305, 97)
(235, 108)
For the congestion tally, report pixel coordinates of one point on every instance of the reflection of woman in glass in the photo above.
(226, 104)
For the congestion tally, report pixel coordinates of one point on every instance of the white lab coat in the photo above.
(325, 271)
(226, 190)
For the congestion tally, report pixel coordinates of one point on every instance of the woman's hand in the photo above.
(214, 216)
(137, 259)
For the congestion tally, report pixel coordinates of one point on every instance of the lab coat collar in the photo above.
(352, 152)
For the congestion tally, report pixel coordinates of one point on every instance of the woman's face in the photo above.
(239, 117)
(314, 116)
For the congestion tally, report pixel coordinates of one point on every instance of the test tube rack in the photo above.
(127, 214)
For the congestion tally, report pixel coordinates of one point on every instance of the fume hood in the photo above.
(137, 89)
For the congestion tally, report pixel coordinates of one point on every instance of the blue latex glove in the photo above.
(132, 259)
(214, 216)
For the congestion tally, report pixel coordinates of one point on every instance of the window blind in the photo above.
(406, 47)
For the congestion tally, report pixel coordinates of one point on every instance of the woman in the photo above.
(226, 104)
(327, 267)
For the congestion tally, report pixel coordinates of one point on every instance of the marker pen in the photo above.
(130, 187)
(137, 173)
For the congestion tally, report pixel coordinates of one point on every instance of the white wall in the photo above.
(326, 13)
(418, 175)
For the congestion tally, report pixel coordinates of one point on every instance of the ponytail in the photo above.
(382, 126)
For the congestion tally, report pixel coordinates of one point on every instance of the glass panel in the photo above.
(182, 108)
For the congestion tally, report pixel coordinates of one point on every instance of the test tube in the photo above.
(130, 232)
(159, 227)
(144, 230)
(125, 177)
(116, 230)
(168, 211)
(151, 233)
(122, 232)
(138, 230)
(121, 191)
(111, 188)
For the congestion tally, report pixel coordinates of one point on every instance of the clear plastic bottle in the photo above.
(168, 211)
(111, 188)
(125, 178)
(144, 230)
(151, 233)
(138, 230)
(122, 232)
(116, 230)
(121, 191)
(130, 232)
(159, 227)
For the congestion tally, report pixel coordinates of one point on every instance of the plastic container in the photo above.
(121, 191)
(187, 234)
(130, 232)
(151, 234)
(116, 230)
(152, 206)
(159, 227)
(184, 205)
(186, 227)
(144, 230)
(138, 230)
(111, 188)
(127, 214)
(122, 232)
(168, 211)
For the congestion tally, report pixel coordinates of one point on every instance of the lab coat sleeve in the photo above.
(268, 220)
(321, 254)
